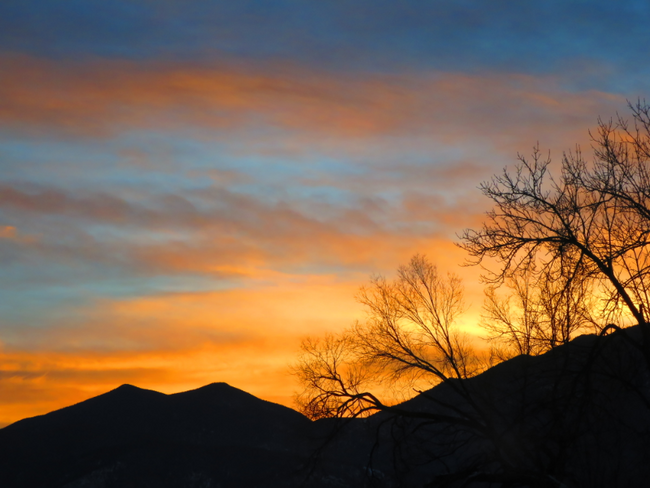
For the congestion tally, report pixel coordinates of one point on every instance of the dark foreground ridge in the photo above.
(578, 416)
(134, 437)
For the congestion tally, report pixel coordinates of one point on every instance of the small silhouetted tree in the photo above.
(538, 311)
(410, 336)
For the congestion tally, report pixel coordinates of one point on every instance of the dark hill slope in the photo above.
(575, 417)
(134, 437)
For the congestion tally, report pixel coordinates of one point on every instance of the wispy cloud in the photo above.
(108, 97)
(217, 231)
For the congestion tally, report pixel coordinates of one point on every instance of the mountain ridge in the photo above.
(219, 435)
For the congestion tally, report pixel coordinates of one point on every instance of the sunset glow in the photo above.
(188, 190)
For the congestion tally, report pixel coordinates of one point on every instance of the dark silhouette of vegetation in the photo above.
(574, 251)
(540, 312)
(410, 336)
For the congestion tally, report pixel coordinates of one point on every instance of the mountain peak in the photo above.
(218, 392)
(126, 387)
(127, 390)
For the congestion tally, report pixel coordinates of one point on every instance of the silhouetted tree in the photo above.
(410, 337)
(575, 253)
(593, 221)
(539, 312)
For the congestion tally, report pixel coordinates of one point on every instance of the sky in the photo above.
(187, 189)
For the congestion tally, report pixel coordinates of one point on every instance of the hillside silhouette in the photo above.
(135, 437)
(581, 406)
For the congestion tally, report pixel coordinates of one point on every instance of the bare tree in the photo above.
(539, 312)
(512, 322)
(568, 306)
(593, 221)
(410, 337)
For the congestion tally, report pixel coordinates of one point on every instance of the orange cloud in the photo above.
(233, 228)
(103, 96)
(10, 233)
(100, 96)
(7, 232)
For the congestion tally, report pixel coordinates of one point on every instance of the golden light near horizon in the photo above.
(246, 337)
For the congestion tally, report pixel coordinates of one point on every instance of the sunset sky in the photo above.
(187, 188)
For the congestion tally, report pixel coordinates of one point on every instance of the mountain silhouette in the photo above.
(579, 414)
(135, 437)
